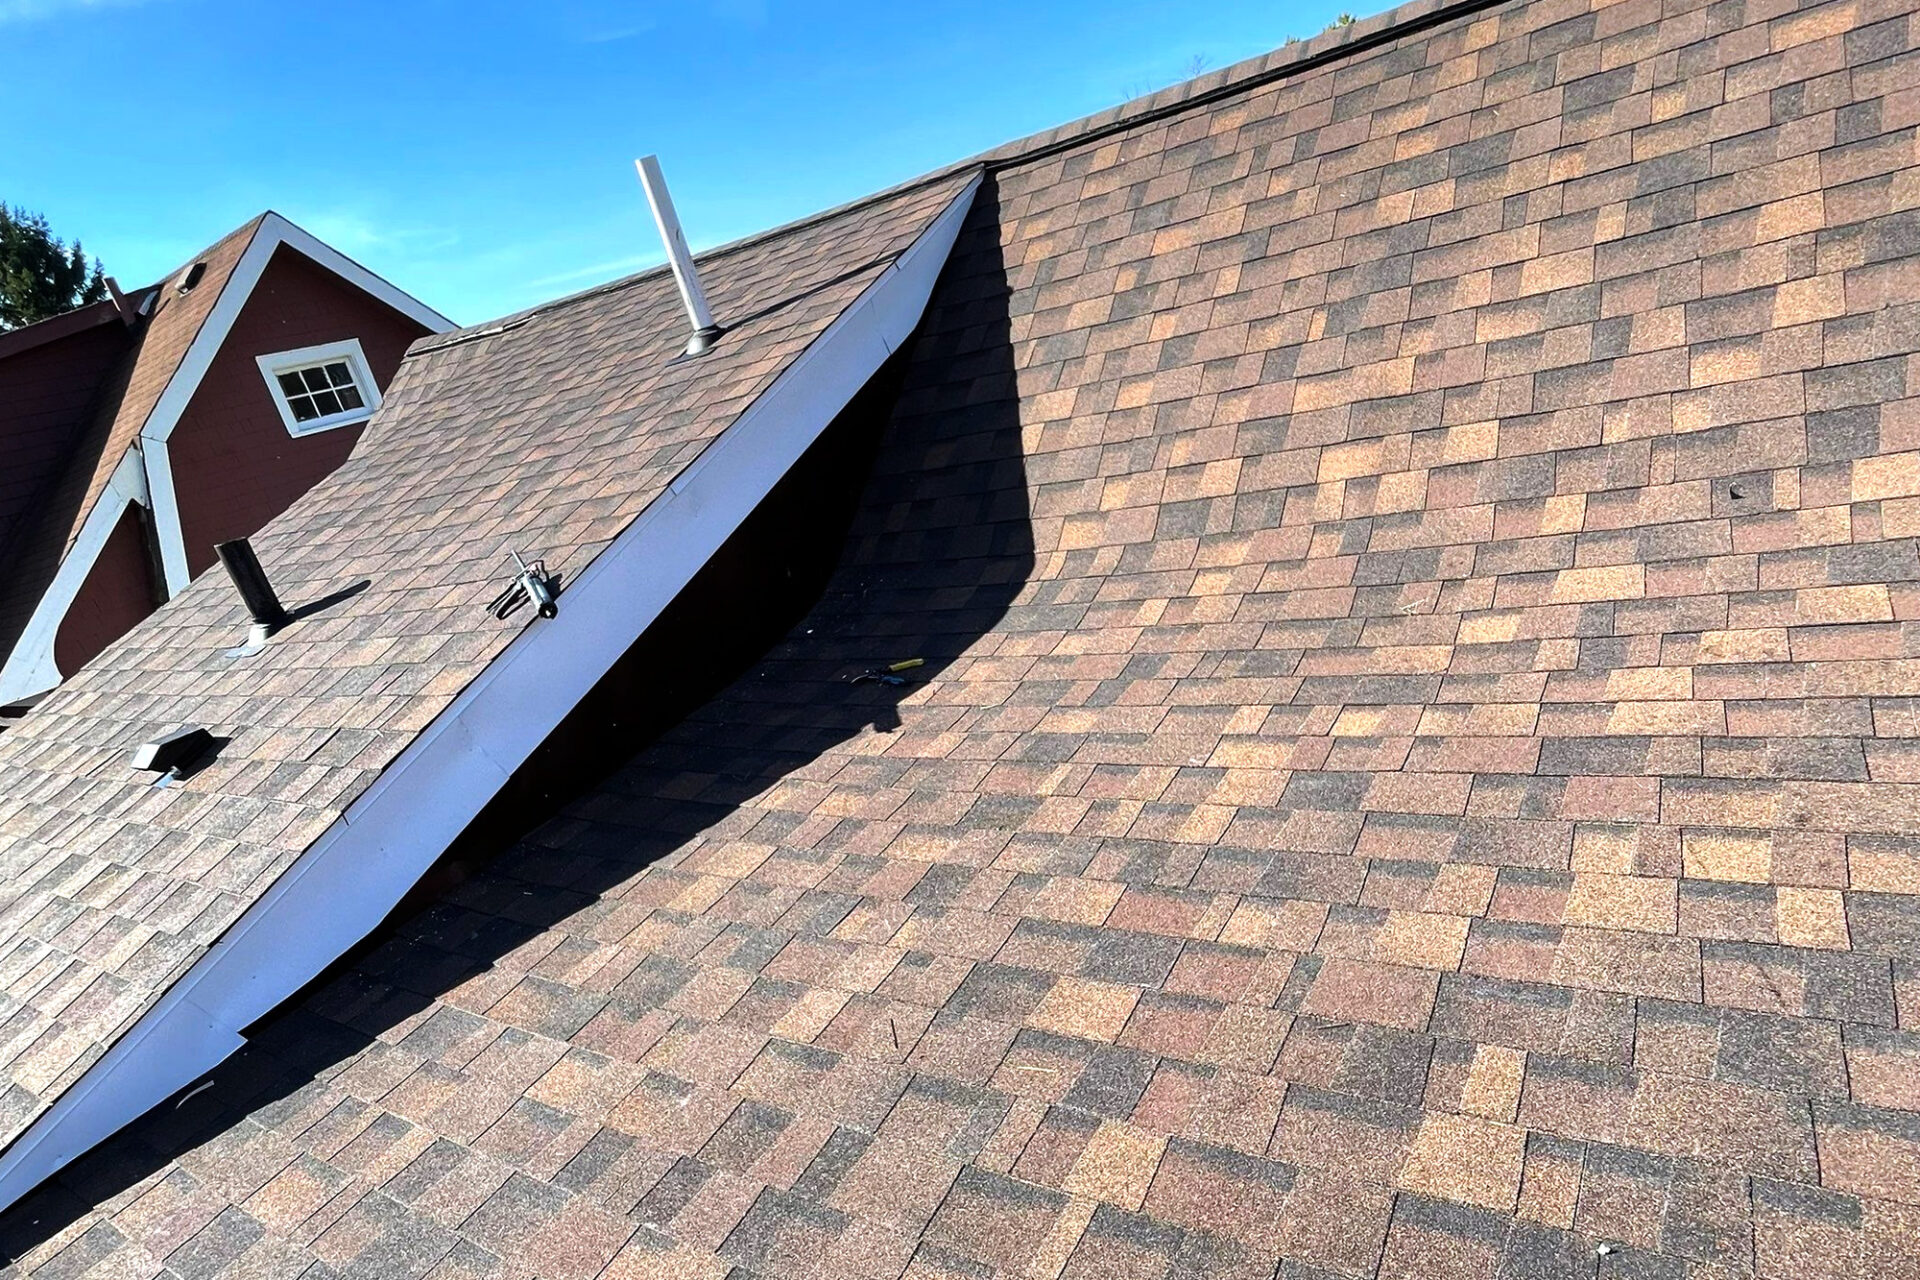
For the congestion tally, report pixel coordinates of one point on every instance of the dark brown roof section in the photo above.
(51, 376)
(117, 398)
(27, 337)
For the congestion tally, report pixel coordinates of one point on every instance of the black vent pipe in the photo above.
(250, 580)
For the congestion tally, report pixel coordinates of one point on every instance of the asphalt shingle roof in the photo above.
(548, 434)
(1412, 777)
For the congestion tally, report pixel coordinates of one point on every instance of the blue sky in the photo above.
(479, 154)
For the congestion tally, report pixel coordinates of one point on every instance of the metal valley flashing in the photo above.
(345, 884)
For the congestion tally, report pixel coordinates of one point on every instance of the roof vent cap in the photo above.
(189, 276)
(250, 580)
(176, 753)
(127, 309)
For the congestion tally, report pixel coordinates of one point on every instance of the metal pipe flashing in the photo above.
(250, 580)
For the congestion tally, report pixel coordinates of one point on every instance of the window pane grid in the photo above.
(320, 391)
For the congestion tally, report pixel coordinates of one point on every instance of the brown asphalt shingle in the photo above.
(1412, 775)
(565, 424)
(173, 322)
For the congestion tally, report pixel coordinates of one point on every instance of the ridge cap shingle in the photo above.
(1297, 57)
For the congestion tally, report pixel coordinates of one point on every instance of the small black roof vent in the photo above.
(176, 753)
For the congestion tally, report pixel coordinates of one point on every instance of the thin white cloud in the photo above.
(745, 13)
(598, 271)
(598, 21)
(610, 35)
(21, 11)
(354, 231)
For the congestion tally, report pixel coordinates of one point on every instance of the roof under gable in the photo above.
(1409, 779)
(550, 434)
(122, 402)
(172, 341)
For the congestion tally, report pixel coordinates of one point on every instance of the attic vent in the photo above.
(175, 754)
(189, 277)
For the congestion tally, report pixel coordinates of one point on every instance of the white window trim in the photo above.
(272, 366)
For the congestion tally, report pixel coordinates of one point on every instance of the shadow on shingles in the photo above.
(215, 745)
(327, 601)
(904, 533)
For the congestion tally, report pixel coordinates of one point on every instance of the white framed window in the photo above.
(319, 388)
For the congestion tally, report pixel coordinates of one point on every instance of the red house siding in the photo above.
(234, 465)
(113, 599)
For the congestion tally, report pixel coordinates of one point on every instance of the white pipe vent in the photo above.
(692, 296)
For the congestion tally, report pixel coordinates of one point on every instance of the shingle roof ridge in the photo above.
(14, 342)
(513, 320)
(28, 336)
(1290, 59)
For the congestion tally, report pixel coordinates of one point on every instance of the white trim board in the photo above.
(165, 506)
(272, 232)
(360, 866)
(29, 669)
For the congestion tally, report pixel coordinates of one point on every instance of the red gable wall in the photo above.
(116, 595)
(234, 465)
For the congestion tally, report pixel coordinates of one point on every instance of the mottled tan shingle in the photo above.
(1377, 802)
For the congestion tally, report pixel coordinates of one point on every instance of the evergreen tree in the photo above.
(40, 276)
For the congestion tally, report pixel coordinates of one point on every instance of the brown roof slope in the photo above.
(549, 436)
(1415, 564)
(170, 328)
(120, 408)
